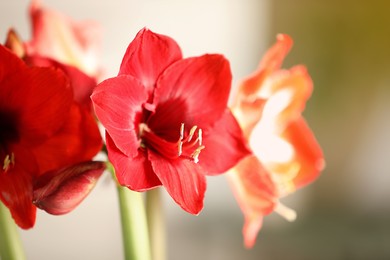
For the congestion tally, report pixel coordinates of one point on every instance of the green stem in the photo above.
(10, 244)
(156, 224)
(134, 227)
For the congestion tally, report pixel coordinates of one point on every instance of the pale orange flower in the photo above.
(286, 156)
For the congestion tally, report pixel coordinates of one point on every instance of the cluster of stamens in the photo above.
(188, 147)
(190, 141)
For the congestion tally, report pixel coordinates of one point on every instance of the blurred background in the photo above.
(345, 214)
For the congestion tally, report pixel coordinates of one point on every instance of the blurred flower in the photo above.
(167, 121)
(42, 131)
(268, 108)
(57, 37)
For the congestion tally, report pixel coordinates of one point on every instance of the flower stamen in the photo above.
(195, 154)
(189, 142)
(200, 136)
(191, 134)
(8, 162)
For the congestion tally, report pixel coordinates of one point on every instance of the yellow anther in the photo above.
(8, 161)
(191, 134)
(195, 154)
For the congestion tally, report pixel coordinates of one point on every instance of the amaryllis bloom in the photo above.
(167, 121)
(287, 156)
(41, 138)
(57, 37)
(82, 117)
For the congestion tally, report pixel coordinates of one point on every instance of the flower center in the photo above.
(8, 127)
(187, 146)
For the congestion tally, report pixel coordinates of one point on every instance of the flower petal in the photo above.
(248, 113)
(183, 179)
(271, 62)
(293, 88)
(193, 91)
(251, 229)
(135, 173)
(148, 55)
(308, 153)
(39, 98)
(118, 105)
(81, 83)
(78, 140)
(11, 63)
(256, 195)
(16, 186)
(15, 44)
(273, 58)
(59, 192)
(224, 145)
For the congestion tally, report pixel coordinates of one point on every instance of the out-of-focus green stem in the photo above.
(134, 225)
(156, 224)
(10, 244)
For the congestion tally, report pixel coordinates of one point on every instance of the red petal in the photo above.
(16, 186)
(148, 55)
(193, 91)
(16, 194)
(224, 145)
(118, 105)
(135, 173)
(59, 192)
(10, 63)
(256, 195)
(81, 83)
(78, 140)
(308, 153)
(40, 99)
(183, 179)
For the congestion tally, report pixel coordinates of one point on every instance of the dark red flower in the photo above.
(41, 132)
(167, 121)
(80, 135)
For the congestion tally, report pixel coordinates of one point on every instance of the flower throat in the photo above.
(187, 146)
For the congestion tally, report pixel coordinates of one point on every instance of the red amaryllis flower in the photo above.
(287, 156)
(57, 37)
(39, 132)
(166, 119)
(81, 117)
